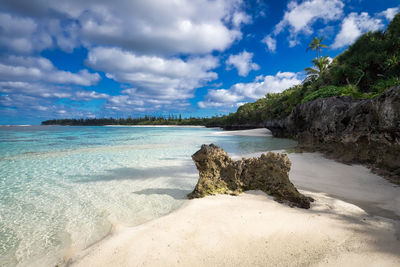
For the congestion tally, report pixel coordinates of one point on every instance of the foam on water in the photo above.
(63, 188)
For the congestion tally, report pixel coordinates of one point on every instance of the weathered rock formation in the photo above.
(219, 174)
(353, 130)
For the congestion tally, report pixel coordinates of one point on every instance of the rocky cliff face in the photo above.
(219, 174)
(365, 131)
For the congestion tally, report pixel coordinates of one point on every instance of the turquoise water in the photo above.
(64, 188)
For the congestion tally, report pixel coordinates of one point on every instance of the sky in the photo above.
(120, 58)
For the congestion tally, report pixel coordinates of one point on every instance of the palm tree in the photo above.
(320, 66)
(316, 44)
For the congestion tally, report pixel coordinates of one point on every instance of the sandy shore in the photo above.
(253, 132)
(353, 222)
(157, 126)
(253, 230)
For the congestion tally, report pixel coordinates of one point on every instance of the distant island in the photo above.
(145, 120)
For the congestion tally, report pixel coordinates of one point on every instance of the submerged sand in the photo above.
(354, 221)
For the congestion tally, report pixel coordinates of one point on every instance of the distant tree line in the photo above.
(145, 120)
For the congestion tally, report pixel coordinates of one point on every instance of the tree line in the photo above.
(144, 120)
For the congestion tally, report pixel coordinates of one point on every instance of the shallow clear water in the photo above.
(63, 188)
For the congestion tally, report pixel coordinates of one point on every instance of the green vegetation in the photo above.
(146, 120)
(332, 90)
(320, 67)
(316, 44)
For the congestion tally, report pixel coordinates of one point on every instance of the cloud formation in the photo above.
(390, 12)
(159, 51)
(261, 86)
(242, 62)
(270, 42)
(152, 26)
(353, 26)
(33, 84)
(21, 69)
(154, 81)
(299, 18)
(153, 76)
(22, 35)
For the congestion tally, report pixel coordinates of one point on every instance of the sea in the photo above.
(64, 188)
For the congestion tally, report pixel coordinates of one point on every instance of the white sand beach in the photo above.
(252, 132)
(354, 221)
(157, 126)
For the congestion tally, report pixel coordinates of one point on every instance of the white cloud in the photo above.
(47, 91)
(66, 33)
(39, 69)
(267, 84)
(220, 98)
(34, 107)
(35, 89)
(251, 91)
(160, 51)
(152, 26)
(353, 26)
(89, 95)
(270, 42)
(390, 13)
(242, 62)
(153, 77)
(299, 18)
(21, 35)
(31, 85)
(240, 18)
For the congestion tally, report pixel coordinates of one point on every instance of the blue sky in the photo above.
(73, 59)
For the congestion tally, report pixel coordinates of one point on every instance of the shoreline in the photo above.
(252, 132)
(157, 126)
(311, 172)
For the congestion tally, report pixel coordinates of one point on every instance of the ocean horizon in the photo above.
(63, 188)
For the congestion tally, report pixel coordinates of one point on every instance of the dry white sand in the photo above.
(252, 132)
(157, 126)
(253, 230)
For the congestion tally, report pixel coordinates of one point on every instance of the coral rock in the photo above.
(219, 174)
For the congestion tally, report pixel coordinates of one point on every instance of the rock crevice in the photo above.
(219, 174)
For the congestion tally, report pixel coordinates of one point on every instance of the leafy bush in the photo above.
(374, 55)
(322, 93)
(332, 90)
(382, 85)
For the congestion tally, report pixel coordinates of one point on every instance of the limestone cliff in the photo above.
(269, 173)
(354, 130)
